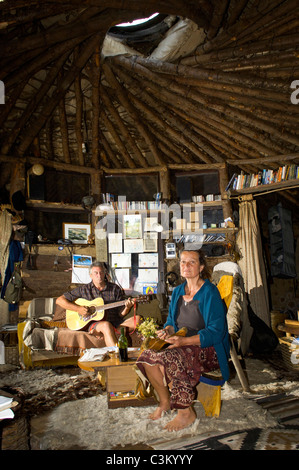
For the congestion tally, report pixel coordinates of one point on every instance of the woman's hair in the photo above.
(205, 274)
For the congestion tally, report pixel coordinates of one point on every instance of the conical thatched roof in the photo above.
(208, 82)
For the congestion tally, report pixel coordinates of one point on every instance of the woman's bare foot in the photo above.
(184, 418)
(158, 413)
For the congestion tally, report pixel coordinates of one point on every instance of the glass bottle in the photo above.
(123, 346)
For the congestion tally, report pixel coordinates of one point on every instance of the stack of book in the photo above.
(283, 173)
(6, 404)
(122, 204)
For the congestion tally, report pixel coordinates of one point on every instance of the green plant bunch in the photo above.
(148, 328)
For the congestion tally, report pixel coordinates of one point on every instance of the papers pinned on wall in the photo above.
(148, 260)
(148, 275)
(133, 246)
(150, 241)
(123, 277)
(149, 223)
(120, 260)
(115, 242)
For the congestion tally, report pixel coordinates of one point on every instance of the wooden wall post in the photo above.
(223, 181)
(95, 190)
(164, 183)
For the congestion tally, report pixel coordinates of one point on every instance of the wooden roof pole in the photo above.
(119, 143)
(79, 114)
(155, 109)
(33, 104)
(126, 103)
(28, 136)
(64, 131)
(106, 99)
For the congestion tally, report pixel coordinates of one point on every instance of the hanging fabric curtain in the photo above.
(252, 262)
(5, 236)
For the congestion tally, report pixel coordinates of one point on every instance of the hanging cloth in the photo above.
(15, 256)
(252, 261)
(5, 236)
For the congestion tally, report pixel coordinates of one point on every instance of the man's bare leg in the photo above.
(155, 377)
(107, 330)
(184, 418)
(131, 323)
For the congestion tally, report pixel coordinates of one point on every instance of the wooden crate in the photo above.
(290, 352)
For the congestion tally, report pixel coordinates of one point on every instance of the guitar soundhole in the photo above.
(91, 310)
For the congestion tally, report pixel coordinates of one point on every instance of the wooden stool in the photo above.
(209, 393)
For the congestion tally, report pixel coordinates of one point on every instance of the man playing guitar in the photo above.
(109, 292)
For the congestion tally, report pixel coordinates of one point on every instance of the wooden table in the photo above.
(290, 327)
(119, 379)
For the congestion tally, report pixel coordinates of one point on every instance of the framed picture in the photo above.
(132, 226)
(77, 233)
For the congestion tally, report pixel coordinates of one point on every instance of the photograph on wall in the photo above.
(132, 226)
(76, 233)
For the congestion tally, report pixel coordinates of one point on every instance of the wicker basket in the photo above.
(290, 352)
(12, 355)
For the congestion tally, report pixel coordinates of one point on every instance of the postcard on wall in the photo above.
(149, 223)
(132, 226)
(121, 260)
(115, 242)
(80, 271)
(133, 246)
(150, 241)
(123, 277)
(148, 260)
(148, 289)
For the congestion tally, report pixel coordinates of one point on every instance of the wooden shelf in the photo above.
(206, 204)
(53, 206)
(53, 249)
(203, 231)
(263, 188)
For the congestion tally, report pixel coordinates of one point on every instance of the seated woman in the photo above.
(196, 304)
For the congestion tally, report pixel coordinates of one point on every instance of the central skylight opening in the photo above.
(138, 21)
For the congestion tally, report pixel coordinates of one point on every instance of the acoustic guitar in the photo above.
(96, 311)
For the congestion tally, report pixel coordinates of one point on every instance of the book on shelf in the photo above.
(263, 177)
(122, 204)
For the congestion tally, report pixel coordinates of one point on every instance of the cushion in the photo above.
(59, 314)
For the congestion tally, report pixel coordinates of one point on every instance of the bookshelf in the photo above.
(284, 177)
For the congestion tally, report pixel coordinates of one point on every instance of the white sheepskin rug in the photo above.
(89, 424)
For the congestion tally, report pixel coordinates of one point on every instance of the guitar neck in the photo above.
(113, 305)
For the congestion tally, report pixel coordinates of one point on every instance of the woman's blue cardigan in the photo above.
(213, 311)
